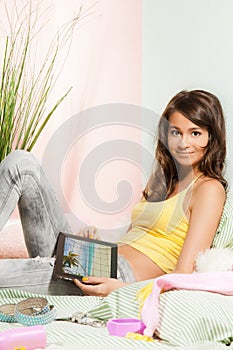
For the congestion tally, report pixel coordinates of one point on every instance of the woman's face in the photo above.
(186, 141)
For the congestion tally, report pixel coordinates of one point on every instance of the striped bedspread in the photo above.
(188, 320)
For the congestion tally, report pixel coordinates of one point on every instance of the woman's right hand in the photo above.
(98, 286)
(89, 232)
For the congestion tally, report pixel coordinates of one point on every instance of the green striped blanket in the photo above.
(188, 320)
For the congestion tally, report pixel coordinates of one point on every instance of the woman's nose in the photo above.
(185, 141)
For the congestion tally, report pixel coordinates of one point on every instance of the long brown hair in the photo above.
(203, 109)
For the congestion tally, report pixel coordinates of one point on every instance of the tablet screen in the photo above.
(77, 257)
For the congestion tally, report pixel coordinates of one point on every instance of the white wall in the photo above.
(188, 44)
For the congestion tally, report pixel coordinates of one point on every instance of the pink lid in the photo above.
(26, 337)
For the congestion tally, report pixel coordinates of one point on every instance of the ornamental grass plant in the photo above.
(25, 85)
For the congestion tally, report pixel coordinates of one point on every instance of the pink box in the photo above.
(121, 326)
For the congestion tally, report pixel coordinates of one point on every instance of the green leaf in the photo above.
(24, 91)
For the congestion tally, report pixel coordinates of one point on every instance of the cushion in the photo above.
(185, 317)
(224, 234)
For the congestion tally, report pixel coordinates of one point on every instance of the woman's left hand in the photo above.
(98, 286)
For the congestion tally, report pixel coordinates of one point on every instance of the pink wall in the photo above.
(104, 66)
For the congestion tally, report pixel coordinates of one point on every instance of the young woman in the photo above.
(184, 198)
(176, 218)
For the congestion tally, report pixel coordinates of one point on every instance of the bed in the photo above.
(181, 327)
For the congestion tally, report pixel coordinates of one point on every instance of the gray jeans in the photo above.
(23, 183)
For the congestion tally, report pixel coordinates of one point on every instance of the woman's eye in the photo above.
(196, 133)
(175, 132)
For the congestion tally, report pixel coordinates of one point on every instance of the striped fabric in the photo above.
(224, 234)
(189, 317)
(188, 320)
(186, 317)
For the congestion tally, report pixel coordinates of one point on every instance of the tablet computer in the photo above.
(77, 257)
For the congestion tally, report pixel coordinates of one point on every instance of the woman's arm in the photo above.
(205, 210)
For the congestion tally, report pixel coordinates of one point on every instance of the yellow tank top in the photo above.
(159, 229)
